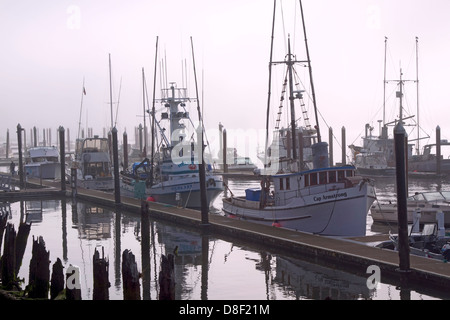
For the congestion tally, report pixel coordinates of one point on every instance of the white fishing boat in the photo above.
(428, 203)
(43, 162)
(93, 164)
(175, 179)
(326, 200)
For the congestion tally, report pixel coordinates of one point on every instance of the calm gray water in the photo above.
(210, 268)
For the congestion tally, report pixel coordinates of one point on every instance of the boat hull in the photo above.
(330, 213)
(387, 213)
(184, 193)
(44, 170)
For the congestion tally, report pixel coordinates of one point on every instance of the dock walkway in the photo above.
(352, 253)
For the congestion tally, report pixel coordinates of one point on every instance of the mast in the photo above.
(310, 74)
(83, 92)
(270, 80)
(291, 101)
(143, 106)
(201, 164)
(384, 83)
(417, 84)
(152, 160)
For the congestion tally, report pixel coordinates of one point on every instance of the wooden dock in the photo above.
(349, 254)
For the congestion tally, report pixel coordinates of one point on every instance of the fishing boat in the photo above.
(93, 164)
(376, 157)
(175, 169)
(43, 162)
(430, 158)
(428, 203)
(325, 200)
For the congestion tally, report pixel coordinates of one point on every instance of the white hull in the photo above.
(340, 212)
(387, 213)
(429, 204)
(188, 191)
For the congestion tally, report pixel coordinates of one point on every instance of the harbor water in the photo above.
(206, 266)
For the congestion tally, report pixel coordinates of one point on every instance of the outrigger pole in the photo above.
(310, 74)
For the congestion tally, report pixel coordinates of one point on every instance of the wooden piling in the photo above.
(39, 270)
(224, 151)
(101, 276)
(401, 171)
(125, 150)
(130, 277)
(21, 243)
(344, 158)
(438, 150)
(145, 249)
(57, 282)
(9, 258)
(116, 166)
(167, 278)
(330, 142)
(62, 156)
(19, 147)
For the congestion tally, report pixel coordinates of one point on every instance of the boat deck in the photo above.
(353, 253)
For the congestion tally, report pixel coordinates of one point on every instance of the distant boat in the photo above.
(426, 162)
(43, 162)
(326, 200)
(237, 163)
(93, 164)
(429, 204)
(376, 156)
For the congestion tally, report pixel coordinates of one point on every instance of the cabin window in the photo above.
(341, 175)
(349, 173)
(322, 177)
(332, 176)
(313, 179)
(288, 184)
(306, 180)
(281, 184)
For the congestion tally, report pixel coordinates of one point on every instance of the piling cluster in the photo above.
(57, 285)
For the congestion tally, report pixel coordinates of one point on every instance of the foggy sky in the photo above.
(49, 47)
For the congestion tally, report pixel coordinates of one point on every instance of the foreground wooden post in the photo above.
(9, 257)
(39, 270)
(167, 278)
(130, 276)
(101, 278)
(57, 283)
(21, 243)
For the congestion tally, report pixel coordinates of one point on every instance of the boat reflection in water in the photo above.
(206, 267)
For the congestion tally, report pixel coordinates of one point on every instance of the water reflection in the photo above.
(207, 267)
